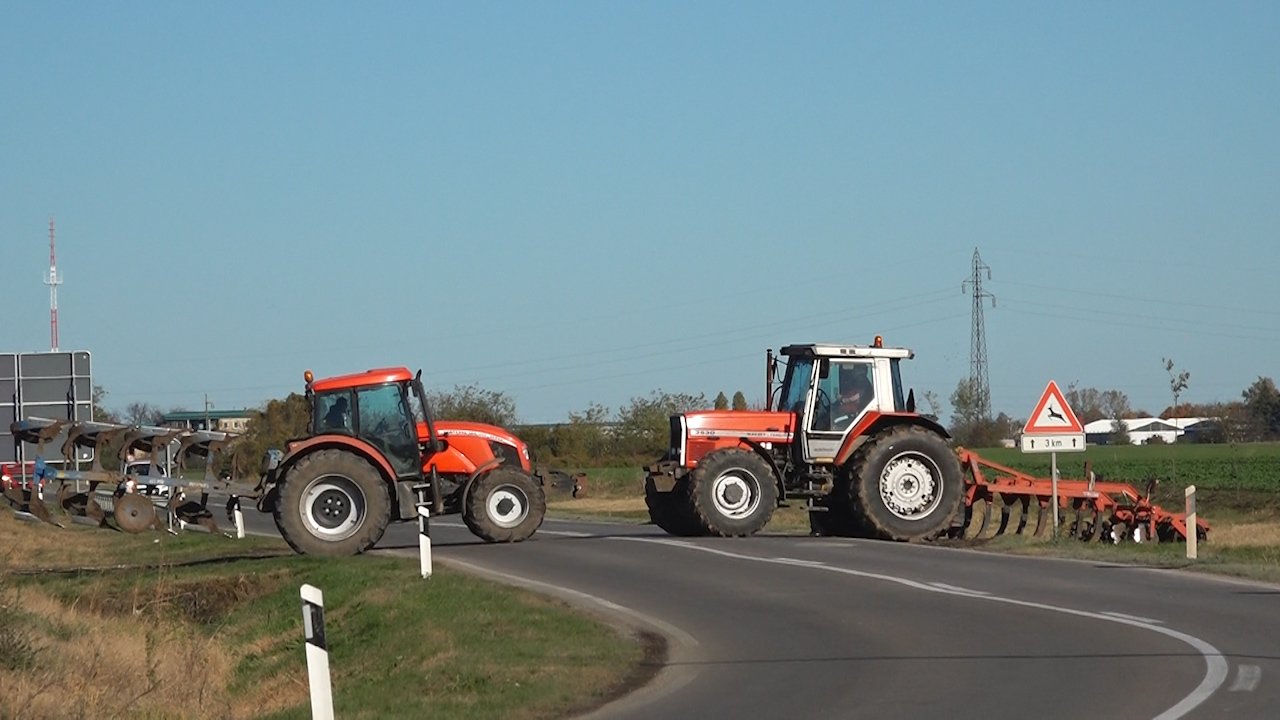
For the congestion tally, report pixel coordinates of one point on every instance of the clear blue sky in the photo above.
(582, 202)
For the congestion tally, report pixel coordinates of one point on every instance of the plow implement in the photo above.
(133, 498)
(1000, 500)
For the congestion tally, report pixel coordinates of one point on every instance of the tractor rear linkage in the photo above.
(186, 500)
(1112, 511)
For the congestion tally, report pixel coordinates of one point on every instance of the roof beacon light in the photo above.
(308, 376)
(879, 342)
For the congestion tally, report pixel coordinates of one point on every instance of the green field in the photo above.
(1249, 466)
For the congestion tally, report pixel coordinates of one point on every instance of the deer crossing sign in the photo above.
(1052, 426)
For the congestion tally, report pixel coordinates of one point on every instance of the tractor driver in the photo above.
(337, 416)
(855, 394)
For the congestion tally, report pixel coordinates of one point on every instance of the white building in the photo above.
(1141, 430)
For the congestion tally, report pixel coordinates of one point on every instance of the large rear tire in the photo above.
(672, 511)
(332, 502)
(734, 492)
(908, 484)
(504, 506)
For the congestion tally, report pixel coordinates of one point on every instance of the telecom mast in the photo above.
(53, 280)
(978, 379)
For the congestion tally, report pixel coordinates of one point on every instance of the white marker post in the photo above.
(1053, 473)
(317, 653)
(1191, 522)
(424, 530)
(238, 515)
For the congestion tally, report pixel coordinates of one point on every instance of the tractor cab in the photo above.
(835, 389)
(385, 408)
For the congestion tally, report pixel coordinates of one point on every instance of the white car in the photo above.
(142, 469)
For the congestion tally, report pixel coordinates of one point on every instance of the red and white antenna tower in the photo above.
(53, 280)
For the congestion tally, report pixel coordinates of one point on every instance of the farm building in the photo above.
(1142, 430)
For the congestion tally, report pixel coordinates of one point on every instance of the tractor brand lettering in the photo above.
(479, 434)
(774, 435)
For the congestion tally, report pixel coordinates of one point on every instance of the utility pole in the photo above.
(53, 280)
(978, 377)
(207, 405)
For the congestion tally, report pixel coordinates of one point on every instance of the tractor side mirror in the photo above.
(911, 400)
(824, 368)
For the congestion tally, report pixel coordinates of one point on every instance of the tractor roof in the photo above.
(378, 376)
(825, 350)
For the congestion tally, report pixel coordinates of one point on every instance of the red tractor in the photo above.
(845, 439)
(374, 452)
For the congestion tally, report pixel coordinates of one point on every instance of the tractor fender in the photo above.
(768, 457)
(302, 448)
(874, 423)
(487, 467)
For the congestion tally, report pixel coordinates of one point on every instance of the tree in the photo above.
(1177, 383)
(1119, 432)
(100, 412)
(739, 401)
(643, 428)
(721, 402)
(969, 427)
(1262, 400)
(1090, 404)
(141, 413)
(474, 403)
(272, 426)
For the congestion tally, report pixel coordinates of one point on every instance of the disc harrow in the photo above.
(1089, 510)
(102, 497)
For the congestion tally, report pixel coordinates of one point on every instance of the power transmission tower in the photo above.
(978, 378)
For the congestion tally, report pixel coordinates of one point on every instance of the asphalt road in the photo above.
(798, 627)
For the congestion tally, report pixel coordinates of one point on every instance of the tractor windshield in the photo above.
(795, 386)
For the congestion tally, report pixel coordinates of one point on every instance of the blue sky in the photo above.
(582, 202)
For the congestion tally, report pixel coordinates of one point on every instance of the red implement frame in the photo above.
(1096, 505)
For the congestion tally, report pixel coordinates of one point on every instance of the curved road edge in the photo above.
(678, 646)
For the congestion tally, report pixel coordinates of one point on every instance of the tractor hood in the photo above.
(756, 425)
(474, 429)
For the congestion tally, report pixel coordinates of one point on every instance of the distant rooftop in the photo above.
(185, 415)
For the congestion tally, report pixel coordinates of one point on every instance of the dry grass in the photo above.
(1246, 534)
(94, 665)
(117, 649)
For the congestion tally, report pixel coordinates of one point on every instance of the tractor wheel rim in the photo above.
(735, 494)
(909, 486)
(507, 506)
(333, 507)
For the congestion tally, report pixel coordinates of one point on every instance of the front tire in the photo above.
(504, 506)
(734, 492)
(908, 484)
(332, 502)
(673, 510)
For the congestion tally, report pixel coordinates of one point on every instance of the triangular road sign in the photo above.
(1052, 414)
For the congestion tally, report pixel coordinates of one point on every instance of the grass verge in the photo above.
(95, 623)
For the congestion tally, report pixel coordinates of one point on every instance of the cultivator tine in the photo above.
(979, 520)
(1026, 514)
(1044, 517)
(196, 513)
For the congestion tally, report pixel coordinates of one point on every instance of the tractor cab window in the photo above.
(333, 412)
(843, 395)
(795, 387)
(387, 423)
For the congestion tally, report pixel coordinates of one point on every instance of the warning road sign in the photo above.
(1052, 416)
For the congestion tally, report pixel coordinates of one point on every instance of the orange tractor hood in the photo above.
(757, 425)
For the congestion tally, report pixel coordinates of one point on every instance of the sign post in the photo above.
(1052, 427)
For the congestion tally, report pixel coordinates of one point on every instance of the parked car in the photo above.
(142, 469)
